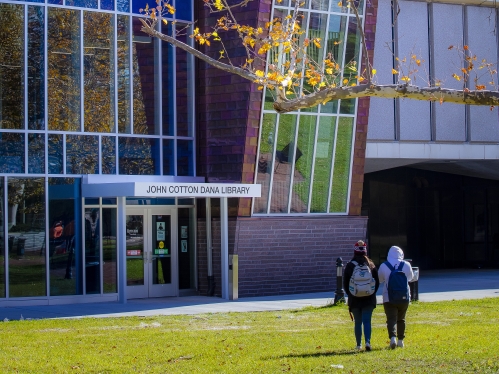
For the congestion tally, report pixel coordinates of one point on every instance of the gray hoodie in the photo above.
(395, 257)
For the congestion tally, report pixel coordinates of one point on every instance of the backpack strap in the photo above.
(401, 265)
(354, 262)
(389, 266)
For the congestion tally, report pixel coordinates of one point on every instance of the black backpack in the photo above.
(398, 287)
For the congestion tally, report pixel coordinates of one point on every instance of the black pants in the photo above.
(395, 319)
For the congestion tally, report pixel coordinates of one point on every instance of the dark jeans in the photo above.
(362, 316)
(395, 317)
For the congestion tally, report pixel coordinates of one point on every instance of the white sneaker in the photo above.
(400, 343)
(358, 348)
(368, 347)
(393, 342)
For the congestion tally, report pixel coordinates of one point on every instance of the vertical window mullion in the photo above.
(82, 76)
(25, 94)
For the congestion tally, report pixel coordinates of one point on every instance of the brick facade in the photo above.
(282, 255)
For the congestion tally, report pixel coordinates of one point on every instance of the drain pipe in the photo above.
(209, 249)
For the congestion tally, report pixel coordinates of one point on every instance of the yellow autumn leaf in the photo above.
(165, 21)
(259, 73)
(329, 71)
(373, 71)
(405, 79)
(394, 71)
(345, 81)
(456, 77)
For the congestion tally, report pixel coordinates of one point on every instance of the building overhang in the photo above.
(145, 186)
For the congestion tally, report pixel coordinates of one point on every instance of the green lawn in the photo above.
(444, 337)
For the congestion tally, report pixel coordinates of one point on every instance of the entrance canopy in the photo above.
(156, 188)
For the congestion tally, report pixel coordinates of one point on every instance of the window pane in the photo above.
(322, 166)
(304, 155)
(82, 154)
(184, 87)
(36, 153)
(92, 250)
(341, 172)
(320, 4)
(284, 159)
(107, 4)
(11, 153)
(26, 230)
(55, 153)
(168, 157)
(144, 78)
(109, 250)
(265, 161)
(123, 5)
(11, 66)
(98, 43)
(66, 268)
(351, 54)
(167, 52)
(83, 3)
(36, 69)
(185, 157)
(123, 57)
(2, 242)
(183, 9)
(139, 156)
(64, 69)
(108, 155)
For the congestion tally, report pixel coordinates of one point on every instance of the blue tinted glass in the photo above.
(54, 2)
(108, 157)
(185, 159)
(139, 201)
(139, 156)
(109, 201)
(11, 153)
(91, 201)
(83, 3)
(55, 154)
(140, 4)
(123, 5)
(107, 4)
(36, 153)
(36, 68)
(185, 201)
(168, 157)
(82, 154)
(184, 9)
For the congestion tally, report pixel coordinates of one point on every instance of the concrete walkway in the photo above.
(433, 286)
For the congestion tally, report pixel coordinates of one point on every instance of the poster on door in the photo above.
(160, 231)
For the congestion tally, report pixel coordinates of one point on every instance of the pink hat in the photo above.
(360, 248)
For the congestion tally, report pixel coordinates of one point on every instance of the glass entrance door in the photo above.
(151, 263)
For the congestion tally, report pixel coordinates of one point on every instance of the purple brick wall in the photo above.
(282, 255)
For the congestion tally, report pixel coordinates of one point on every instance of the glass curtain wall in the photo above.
(304, 160)
(82, 91)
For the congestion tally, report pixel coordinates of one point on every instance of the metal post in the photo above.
(339, 294)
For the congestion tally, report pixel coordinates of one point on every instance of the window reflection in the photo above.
(183, 83)
(322, 165)
(64, 69)
(65, 265)
(92, 250)
(55, 153)
(36, 69)
(2, 241)
(123, 59)
(266, 160)
(98, 65)
(108, 157)
(11, 66)
(167, 52)
(138, 156)
(11, 152)
(285, 150)
(185, 160)
(341, 172)
(168, 157)
(144, 78)
(82, 154)
(303, 157)
(109, 250)
(36, 153)
(26, 236)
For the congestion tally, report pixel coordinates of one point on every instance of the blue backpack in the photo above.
(398, 288)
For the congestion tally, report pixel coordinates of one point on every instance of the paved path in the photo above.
(433, 286)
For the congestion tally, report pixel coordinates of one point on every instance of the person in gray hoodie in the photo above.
(395, 312)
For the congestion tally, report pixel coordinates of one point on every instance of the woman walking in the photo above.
(361, 282)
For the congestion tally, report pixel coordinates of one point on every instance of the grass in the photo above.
(443, 337)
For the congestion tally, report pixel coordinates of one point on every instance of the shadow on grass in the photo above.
(345, 352)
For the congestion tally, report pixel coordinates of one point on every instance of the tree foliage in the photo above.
(300, 73)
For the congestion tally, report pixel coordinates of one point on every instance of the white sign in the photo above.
(197, 189)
